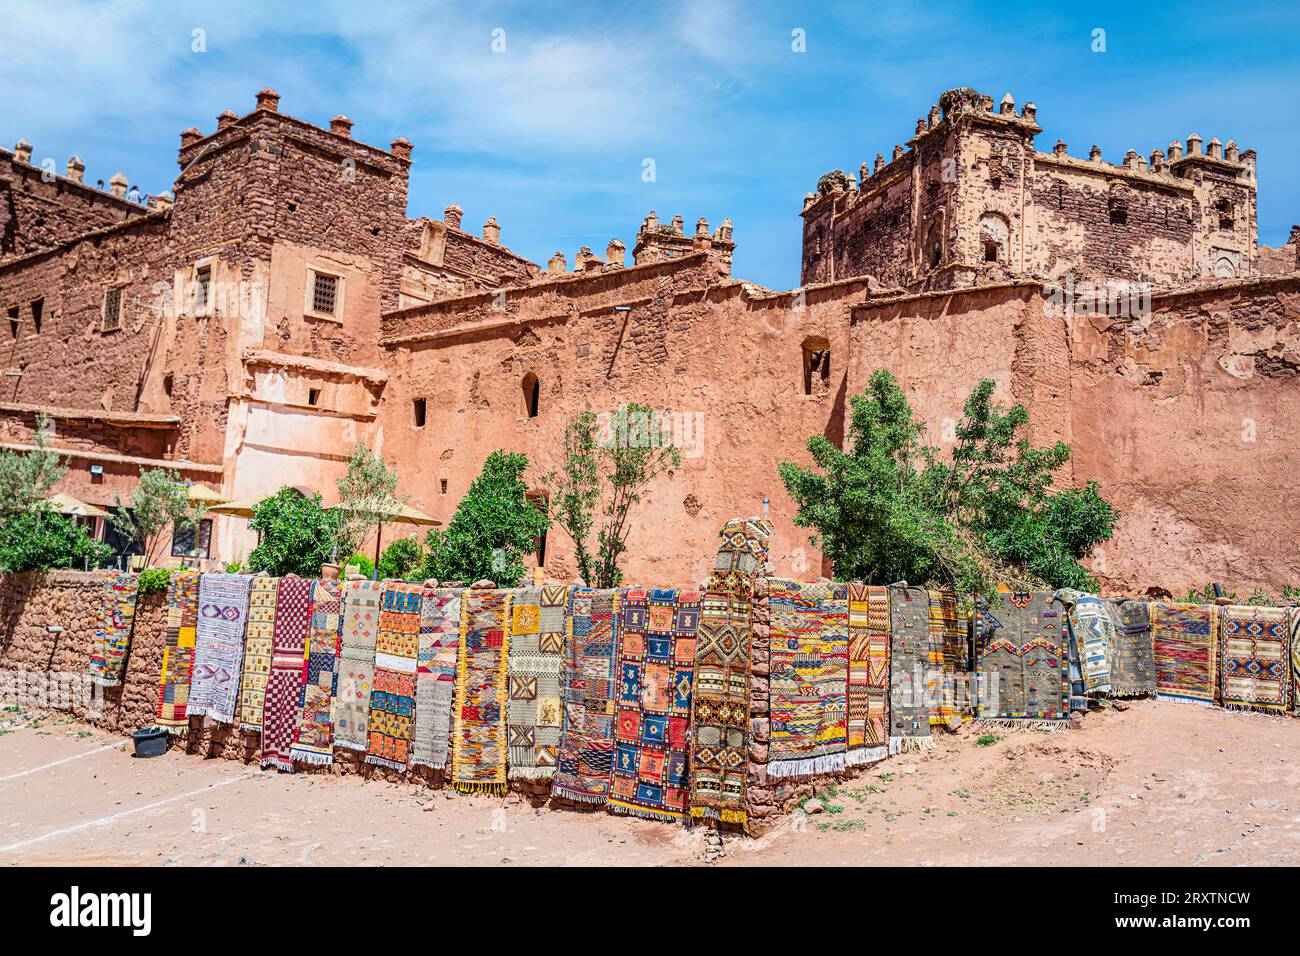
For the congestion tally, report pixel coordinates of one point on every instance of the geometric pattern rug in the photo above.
(656, 658)
(284, 684)
(178, 654)
(313, 741)
(587, 737)
(534, 670)
(351, 710)
(1093, 636)
(478, 763)
(435, 676)
(868, 707)
(219, 646)
(809, 661)
(258, 640)
(915, 668)
(1023, 666)
(1255, 664)
(113, 628)
(391, 723)
(1185, 638)
(1132, 665)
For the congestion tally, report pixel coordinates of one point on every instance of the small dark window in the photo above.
(169, 382)
(1118, 215)
(192, 542)
(418, 409)
(202, 289)
(38, 312)
(936, 253)
(13, 321)
(324, 294)
(313, 396)
(112, 310)
(991, 251)
(816, 369)
(1224, 208)
(442, 486)
(532, 394)
(292, 206)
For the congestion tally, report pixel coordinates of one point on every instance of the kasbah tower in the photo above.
(281, 304)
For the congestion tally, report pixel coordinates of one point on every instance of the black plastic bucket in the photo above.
(150, 742)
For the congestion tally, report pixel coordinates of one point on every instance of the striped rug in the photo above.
(868, 700)
(1093, 635)
(587, 738)
(113, 627)
(351, 710)
(284, 684)
(178, 653)
(313, 740)
(946, 673)
(257, 651)
(478, 763)
(219, 646)
(435, 676)
(809, 677)
(391, 723)
(1185, 638)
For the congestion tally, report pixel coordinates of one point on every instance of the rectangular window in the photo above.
(313, 396)
(13, 321)
(324, 294)
(193, 542)
(112, 310)
(418, 407)
(202, 290)
(38, 313)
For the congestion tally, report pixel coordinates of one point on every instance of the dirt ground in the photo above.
(1158, 783)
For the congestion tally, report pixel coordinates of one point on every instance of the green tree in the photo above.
(41, 539)
(159, 502)
(401, 560)
(297, 534)
(891, 507)
(28, 477)
(367, 497)
(607, 474)
(494, 526)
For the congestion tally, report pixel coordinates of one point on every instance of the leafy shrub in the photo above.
(494, 526)
(153, 580)
(40, 540)
(298, 534)
(364, 565)
(402, 559)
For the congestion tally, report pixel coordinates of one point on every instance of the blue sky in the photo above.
(550, 135)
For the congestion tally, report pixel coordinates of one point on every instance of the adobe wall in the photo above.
(730, 362)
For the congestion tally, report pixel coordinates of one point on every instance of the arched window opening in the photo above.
(532, 394)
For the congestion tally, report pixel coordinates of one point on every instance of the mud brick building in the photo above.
(280, 303)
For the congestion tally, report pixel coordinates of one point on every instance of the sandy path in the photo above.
(1156, 784)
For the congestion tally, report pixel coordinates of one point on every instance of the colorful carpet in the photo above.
(868, 699)
(1255, 659)
(478, 762)
(587, 736)
(391, 724)
(809, 677)
(113, 626)
(719, 752)
(913, 658)
(1022, 663)
(435, 676)
(288, 670)
(178, 654)
(219, 646)
(1185, 640)
(1293, 632)
(313, 739)
(1132, 664)
(1093, 634)
(652, 718)
(351, 709)
(534, 670)
(257, 651)
(947, 666)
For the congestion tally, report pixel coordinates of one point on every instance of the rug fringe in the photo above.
(253, 728)
(724, 815)
(578, 796)
(1271, 709)
(532, 774)
(279, 763)
(1176, 699)
(419, 762)
(856, 758)
(807, 767)
(385, 762)
(1132, 691)
(493, 789)
(105, 681)
(1023, 723)
(311, 757)
(349, 745)
(899, 745)
(221, 717)
(626, 809)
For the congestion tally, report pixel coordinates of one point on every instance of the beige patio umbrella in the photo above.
(65, 504)
(205, 496)
(236, 509)
(407, 515)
